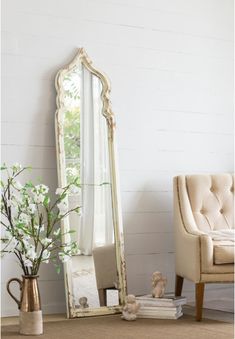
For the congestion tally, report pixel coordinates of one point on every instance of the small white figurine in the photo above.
(159, 285)
(130, 309)
(83, 302)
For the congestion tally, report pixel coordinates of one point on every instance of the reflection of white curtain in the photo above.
(96, 222)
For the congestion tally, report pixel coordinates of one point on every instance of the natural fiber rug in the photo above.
(112, 327)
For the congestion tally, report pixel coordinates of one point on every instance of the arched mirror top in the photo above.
(74, 69)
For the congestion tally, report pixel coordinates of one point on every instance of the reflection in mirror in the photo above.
(95, 276)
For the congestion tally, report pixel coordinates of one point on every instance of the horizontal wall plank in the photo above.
(34, 134)
(184, 139)
(141, 223)
(149, 243)
(176, 160)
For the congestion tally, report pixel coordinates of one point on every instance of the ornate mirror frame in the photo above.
(82, 57)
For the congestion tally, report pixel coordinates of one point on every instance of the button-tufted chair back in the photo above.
(212, 200)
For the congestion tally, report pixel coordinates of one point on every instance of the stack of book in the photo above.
(169, 307)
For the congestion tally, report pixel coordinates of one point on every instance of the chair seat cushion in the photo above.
(223, 252)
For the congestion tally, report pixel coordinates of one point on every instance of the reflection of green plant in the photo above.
(72, 144)
(71, 85)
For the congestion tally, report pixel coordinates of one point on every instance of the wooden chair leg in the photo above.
(199, 294)
(178, 285)
(102, 297)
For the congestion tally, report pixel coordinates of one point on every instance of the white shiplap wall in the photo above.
(170, 63)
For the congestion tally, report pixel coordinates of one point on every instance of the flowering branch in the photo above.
(29, 221)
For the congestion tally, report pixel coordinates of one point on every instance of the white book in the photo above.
(171, 301)
(170, 310)
(158, 316)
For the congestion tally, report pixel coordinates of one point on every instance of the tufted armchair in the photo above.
(204, 231)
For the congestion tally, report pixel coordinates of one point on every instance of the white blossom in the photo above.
(39, 192)
(67, 248)
(32, 208)
(46, 241)
(42, 228)
(63, 207)
(42, 189)
(31, 254)
(24, 218)
(59, 191)
(28, 263)
(16, 167)
(57, 232)
(36, 227)
(45, 256)
(71, 171)
(63, 257)
(38, 198)
(73, 189)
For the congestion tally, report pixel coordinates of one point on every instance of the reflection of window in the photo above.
(103, 223)
(71, 85)
(87, 159)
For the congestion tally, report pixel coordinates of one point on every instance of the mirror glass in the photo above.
(83, 139)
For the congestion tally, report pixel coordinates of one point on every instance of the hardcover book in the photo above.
(167, 301)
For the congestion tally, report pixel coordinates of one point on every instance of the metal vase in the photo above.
(29, 304)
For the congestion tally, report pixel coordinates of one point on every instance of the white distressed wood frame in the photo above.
(82, 57)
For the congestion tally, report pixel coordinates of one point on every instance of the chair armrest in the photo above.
(187, 238)
(206, 253)
(187, 254)
(198, 233)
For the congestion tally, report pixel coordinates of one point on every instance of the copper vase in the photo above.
(29, 304)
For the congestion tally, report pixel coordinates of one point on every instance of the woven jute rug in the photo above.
(112, 327)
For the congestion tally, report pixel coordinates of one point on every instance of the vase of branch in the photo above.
(29, 304)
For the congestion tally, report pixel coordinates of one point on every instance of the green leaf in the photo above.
(104, 183)
(46, 201)
(58, 269)
(70, 232)
(3, 167)
(29, 184)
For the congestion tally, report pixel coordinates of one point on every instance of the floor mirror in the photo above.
(95, 277)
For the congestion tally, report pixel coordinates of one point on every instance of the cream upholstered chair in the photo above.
(204, 226)
(105, 270)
